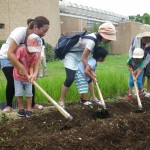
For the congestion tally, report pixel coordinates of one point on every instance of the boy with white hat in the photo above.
(28, 56)
(136, 65)
(142, 40)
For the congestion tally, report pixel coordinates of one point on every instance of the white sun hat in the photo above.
(138, 53)
(143, 34)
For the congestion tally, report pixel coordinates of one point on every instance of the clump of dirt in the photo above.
(124, 129)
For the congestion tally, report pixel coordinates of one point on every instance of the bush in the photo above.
(49, 52)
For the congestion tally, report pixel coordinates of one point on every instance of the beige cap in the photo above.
(108, 31)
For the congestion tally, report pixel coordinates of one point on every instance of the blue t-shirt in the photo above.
(91, 62)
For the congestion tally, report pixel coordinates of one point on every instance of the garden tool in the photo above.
(138, 98)
(104, 112)
(61, 110)
(137, 94)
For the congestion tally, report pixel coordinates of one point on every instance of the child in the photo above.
(136, 65)
(83, 76)
(27, 56)
(42, 68)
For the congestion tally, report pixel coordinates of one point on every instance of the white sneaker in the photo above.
(147, 95)
(96, 101)
(84, 102)
(62, 104)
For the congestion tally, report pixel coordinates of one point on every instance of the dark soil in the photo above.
(123, 130)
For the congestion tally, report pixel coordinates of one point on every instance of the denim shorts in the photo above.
(139, 81)
(23, 88)
(5, 63)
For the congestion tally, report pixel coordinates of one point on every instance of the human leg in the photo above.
(82, 86)
(28, 94)
(44, 66)
(10, 90)
(147, 74)
(70, 76)
(91, 89)
(131, 85)
(140, 84)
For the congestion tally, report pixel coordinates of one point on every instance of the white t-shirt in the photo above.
(72, 59)
(19, 35)
(85, 43)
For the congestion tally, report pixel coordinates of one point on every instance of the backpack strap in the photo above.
(91, 38)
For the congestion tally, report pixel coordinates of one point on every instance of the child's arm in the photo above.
(91, 74)
(136, 73)
(130, 68)
(30, 78)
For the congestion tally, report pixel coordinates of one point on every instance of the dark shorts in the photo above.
(147, 71)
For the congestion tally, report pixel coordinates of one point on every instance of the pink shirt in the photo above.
(25, 59)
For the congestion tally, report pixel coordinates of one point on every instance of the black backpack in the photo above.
(65, 43)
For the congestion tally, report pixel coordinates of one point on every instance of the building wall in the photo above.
(69, 25)
(125, 34)
(14, 13)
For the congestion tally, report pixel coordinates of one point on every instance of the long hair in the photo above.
(39, 21)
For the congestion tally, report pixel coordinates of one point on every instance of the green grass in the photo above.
(112, 77)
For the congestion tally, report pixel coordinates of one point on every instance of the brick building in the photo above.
(14, 13)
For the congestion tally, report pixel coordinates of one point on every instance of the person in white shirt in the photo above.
(105, 34)
(142, 40)
(42, 68)
(17, 37)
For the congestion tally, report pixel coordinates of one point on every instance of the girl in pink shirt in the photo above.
(27, 56)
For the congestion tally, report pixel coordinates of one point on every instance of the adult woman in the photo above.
(106, 33)
(142, 40)
(39, 26)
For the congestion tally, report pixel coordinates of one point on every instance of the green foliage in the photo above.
(143, 19)
(49, 52)
(112, 76)
(94, 28)
(1, 42)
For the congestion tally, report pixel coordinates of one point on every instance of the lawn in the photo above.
(112, 76)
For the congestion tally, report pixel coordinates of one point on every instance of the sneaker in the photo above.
(85, 102)
(147, 95)
(21, 113)
(96, 101)
(28, 113)
(129, 97)
(38, 107)
(62, 104)
(140, 95)
(7, 109)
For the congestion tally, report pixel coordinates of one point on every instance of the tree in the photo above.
(143, 19)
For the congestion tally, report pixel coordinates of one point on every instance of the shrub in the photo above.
(49, 52)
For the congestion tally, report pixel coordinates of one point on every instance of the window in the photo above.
(90, 23)
(2, 26)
